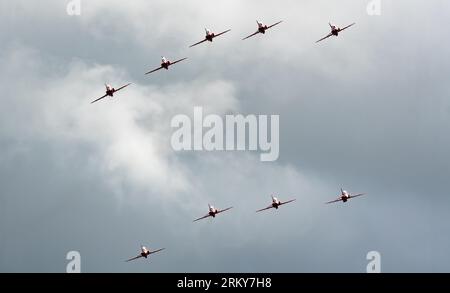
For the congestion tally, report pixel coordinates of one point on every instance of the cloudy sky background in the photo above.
(368, 111)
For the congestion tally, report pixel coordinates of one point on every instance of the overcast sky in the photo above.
(368, 111)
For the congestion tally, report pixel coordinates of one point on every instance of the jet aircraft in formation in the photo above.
(345, 196)
(210, 36)
(212, 212)
(275, 204)
(145, 253)
(165, 63)
(110, 92)
(262, 28)
(334, 31)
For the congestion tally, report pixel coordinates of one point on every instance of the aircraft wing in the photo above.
(204, 217)
(152, 252)
(329, 35)
(197, 43)
(154, 70)
(254, 34)
(99, 99)
(274, 24)
(346, 27)
(224, 210)
(356, 195)
(287, 201)
(134, 258)
(264, 209)
(224, 32)
(122, 87)
(333, 201)
(175, 62)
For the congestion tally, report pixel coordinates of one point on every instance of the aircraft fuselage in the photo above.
(212, 212)
(145, 254)
(262, 29)
(165, 65)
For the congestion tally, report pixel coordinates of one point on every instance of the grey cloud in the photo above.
(367, 111)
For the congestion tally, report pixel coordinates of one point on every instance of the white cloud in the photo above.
(129, 135)
(130, 132)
